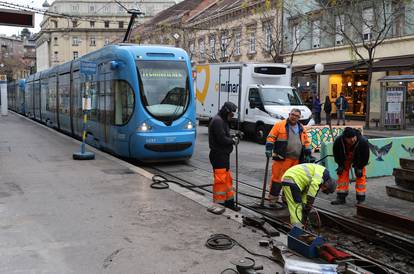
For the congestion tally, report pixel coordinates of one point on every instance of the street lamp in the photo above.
(318, 69)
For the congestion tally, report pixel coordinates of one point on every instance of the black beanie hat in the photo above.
(349, 132)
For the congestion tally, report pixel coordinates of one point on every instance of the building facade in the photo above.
(17, 56)
(73, 28)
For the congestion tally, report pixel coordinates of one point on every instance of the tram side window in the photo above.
(64, 85)
(109, 103)
(51, 98)
(94, 101)
(124, 101)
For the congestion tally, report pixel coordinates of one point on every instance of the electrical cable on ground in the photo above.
(225, 242)
(160, 182)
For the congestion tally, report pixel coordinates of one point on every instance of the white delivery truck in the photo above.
(262, 92)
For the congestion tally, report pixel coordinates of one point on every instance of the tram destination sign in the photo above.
(87, 67)
(16, 18)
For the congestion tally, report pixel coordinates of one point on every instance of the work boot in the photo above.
(340, 199)
(231, 205)
(360, 199)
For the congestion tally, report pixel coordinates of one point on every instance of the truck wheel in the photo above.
(261, 134)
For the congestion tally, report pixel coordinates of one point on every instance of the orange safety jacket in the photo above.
(279, 136)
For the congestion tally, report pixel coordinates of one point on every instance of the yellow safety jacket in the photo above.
(308, 177)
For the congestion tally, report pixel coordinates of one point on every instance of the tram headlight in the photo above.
(144, 127)
(189, 125)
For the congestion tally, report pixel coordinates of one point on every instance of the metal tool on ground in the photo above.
(246, 266)
(262, 224)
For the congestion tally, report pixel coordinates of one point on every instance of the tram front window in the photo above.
(164, 87)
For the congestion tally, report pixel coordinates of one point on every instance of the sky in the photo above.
(7, 30)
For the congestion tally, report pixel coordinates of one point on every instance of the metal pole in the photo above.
(265, 182)
(237, 175)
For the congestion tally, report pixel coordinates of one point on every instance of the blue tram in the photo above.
(142, 101)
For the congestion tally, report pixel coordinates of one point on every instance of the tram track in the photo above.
(397, 243)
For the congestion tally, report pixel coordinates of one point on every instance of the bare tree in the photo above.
(363, 25)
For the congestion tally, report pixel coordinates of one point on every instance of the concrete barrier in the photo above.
(385, 154)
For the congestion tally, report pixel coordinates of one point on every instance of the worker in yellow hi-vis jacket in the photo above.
(301, 184)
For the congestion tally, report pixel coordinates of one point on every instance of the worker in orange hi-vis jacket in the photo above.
(288, 144)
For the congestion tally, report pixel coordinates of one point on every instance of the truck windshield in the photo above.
(164, 87)
(280, 96)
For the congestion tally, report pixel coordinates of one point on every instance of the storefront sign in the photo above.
(394, 95)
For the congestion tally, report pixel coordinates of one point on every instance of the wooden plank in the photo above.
(401, 193)
(406, 163)
(388, 219)
(404, 178)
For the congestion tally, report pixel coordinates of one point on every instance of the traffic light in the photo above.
(16, 18)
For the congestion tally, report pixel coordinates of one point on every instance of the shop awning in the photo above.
(403, 62)
(329, 68)
(397, 78)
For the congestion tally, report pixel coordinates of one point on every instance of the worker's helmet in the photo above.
(330, 184)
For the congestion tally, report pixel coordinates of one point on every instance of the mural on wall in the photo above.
(410, 150)
(322, 134)
(380, 152)
(385, 154)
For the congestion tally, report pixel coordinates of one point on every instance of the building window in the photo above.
(224, 45)
(91, 8)
(237, 42)
(107, 41)
(56, 56)
(213, 47)
(191, 48)
(93, 41)
(339, 29)
(55, 8)
(54, 24)
(75, 55)
(55, 41)
(75, 23)
(267, 29)
(92, 24)
(252, 41)
(75, 8)
(121, 9)
(202, 48)
(106, 24)
(367, 23)
(106, 9)
(295, 36)
(121, 24)
(75, 41)
(316, 34)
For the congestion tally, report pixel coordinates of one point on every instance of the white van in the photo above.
(262, 92)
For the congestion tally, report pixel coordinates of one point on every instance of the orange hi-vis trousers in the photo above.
(279, 168)
(343, 182)
(223, 185)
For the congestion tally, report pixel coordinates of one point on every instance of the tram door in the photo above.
(105, 106)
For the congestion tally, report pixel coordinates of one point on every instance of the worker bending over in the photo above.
(301, 184)
(288, 144)
(351, 149)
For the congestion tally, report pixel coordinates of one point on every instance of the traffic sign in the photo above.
(87, 67)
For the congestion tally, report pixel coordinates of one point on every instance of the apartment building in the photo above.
(73, 28)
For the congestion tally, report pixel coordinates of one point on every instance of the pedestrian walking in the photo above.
(351, 150)
(327, 108)
(221, 146)
(316, 109)
(341, 106)
(301, 184)
(288, 144)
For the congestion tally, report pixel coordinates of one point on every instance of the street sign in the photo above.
(87, 67)
(16, 18)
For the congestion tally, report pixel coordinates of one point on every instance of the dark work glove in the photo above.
(358, 172)
(339, 170)
(305, 214)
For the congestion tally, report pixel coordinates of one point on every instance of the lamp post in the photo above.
(318, 69)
